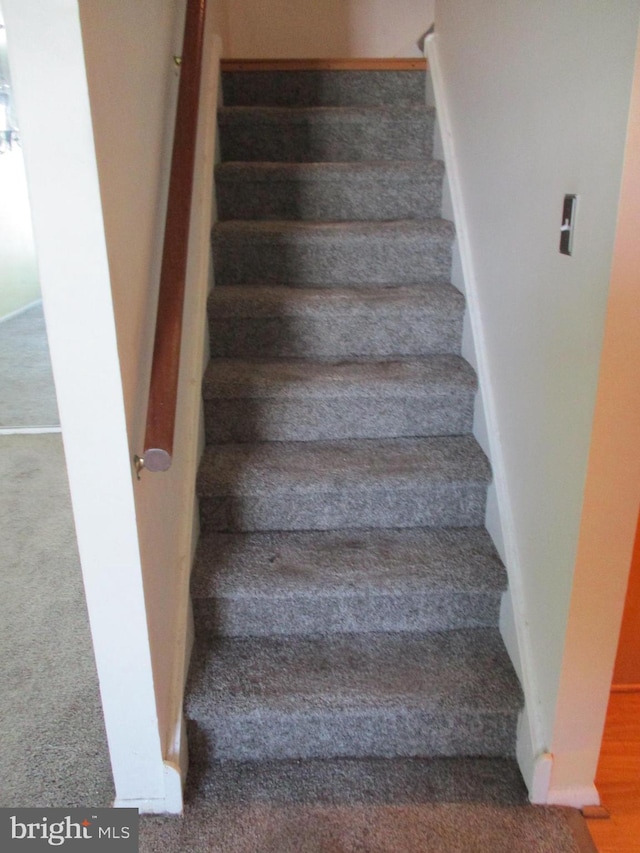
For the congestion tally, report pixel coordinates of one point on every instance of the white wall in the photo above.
(268, 29)
(537, 96)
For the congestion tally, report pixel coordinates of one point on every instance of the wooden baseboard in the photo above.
(324, 64)
(625, 688)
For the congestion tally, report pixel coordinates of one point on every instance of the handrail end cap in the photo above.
(156, 460)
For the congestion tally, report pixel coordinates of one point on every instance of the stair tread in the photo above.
(300, 379)
(257, 171)
(323, 86)
(464, 670)
(326, 253)
(325, 466)
(323, 231)
(347, 562)
(255, 114)
(312, 133)
(334, 323)
(329, 191)
(303, 400)
(272, 300)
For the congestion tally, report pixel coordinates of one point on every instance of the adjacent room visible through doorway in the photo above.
(27, 396)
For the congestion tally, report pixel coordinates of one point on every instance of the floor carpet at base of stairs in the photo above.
(362, 806)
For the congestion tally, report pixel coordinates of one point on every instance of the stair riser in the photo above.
(414, 197)
(251, 137)
(323, 88)
(351, 612)
(375, 733)
(253, 419)
(434, 505)
(313, 260)
(334, 337)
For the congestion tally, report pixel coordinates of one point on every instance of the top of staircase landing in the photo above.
(351, 64)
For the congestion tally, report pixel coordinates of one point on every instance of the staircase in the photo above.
(346, 593)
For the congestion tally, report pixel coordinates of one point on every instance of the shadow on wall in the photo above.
(274, 29)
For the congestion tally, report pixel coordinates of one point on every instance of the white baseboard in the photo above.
(151, 807)
(536, 767)
(576, 797)
(175, 773)
(493, 522)
(172, 804)
(34, 430)
(508, 632)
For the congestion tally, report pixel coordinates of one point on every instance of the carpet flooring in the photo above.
(351, 806)
(364, 829)
(53, 750)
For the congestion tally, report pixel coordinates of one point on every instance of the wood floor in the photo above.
(618, 778)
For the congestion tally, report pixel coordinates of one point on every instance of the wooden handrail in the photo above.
(163, 391)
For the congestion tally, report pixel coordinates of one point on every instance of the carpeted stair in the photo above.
(346, 594)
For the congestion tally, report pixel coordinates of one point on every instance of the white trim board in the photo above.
(34, 430)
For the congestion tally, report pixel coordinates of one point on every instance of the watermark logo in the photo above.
(105, 830)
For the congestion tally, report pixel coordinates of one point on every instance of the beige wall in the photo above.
(538, 96)
(133, 105)
(324, 28)
(128, 50)
(132, 88)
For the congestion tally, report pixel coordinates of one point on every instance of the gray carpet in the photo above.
(369, 806)
(441, 828)
(295, 400)
(325, 254)
(53, 749)
(329, 191)
(327, 133)
(323, 88)
(27, 396)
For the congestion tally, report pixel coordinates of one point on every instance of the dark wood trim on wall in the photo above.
(324, 64)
